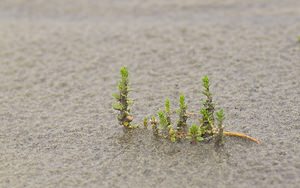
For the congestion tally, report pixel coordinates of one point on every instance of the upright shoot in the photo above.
(182, 122)
(208, 109)
(122, 101)
(220, 134)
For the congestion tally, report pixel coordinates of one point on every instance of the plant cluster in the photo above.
(207, 128)
(204, 130)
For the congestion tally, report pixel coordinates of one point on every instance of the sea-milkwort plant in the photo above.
(168, 111)
(195, 134)
(122, 101)
(209, 124)
(208, 109)
(182, 113)
(220, 129)
(154, 125)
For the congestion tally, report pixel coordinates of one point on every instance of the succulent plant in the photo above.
(163, 122)
(168, 111)
(145, 122)
(154, 125)
(182, 122)
(220, 133)
(206, 130)
(208, 109)
(195, 134)
(172, 134)
(122, 101)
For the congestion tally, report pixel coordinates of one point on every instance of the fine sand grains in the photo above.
(59, 65)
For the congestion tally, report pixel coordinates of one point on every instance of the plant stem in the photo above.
(241, 135)
(220, 135)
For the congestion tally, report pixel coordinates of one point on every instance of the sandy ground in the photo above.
(59, 65)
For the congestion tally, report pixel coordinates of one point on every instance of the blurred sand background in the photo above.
(59, 65)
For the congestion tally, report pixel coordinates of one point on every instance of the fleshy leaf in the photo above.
(117, 106)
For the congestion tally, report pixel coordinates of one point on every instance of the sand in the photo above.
(59, 65)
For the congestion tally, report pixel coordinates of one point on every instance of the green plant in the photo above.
(163, 122)
(172, 134)
(299, 38)
(195, 134)
(145, 122)
(220, 133)
(182, 122)
(208, 106)
(168, 111)
(122, 101)
(154, 126)
(206, 123)
(164, 127)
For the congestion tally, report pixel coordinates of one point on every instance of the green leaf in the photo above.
(220, 115)
(204, 113)
(199, 138)
(122, 86)
(193, 130)
(129, 101)
(205, 82)
(201, 130)
(117, 106)
(116, 96)
(206, 93)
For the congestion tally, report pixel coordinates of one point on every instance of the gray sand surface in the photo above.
(59, 65)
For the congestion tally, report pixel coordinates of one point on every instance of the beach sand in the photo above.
(59, 65)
